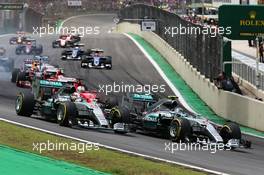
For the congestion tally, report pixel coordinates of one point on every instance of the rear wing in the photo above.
(50, 84)
(142, 97)
(44, 87)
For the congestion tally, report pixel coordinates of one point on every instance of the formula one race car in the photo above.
(20, 39)
(23, 76)
(95, 59)
(5, 62)
(69, 105)
(65, 41)
(30, 47)
(168, 118)
(52, 73)
(75, 53)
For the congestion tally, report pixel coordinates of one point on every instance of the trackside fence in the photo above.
(202, 50)
(248, 73)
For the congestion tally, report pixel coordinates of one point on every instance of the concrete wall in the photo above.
(257, 92)
(244, 110)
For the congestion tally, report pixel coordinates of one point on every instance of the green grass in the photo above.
(103, 160)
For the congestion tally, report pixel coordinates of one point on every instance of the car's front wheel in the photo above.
(179, 129)
(18, 51)
(14, 75)
(66, 114)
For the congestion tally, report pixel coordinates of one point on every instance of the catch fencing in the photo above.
(248, 73)
(202, 50)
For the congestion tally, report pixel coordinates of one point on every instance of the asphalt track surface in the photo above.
(131, 67)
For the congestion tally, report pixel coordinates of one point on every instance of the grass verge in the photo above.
(103, 160)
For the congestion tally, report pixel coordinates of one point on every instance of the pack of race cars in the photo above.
(90, 58)
(53, 96)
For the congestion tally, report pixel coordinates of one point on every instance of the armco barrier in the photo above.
(231, 106)
(201, 49)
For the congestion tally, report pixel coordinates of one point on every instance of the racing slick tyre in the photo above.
(54, 44)
(12, 41)
(25, 104)
(179, 129)
(21, 76)
(66, 114)
(64, 57)
(82, 64)
(38, 50)
(109, 62)
(120, 115)
(14, 75)
(68, 44)
(18, 51)
(230, 131)
(109, 67)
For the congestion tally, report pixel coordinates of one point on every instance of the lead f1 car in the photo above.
(95, 59)
(69, 105)
(168, 117)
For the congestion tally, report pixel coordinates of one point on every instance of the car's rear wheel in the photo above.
(54, 44)
(25, 104)
(20, 77)
(120, 115)
(64, 57)
(14, 75)
(18, 51)
(179, 129)
(66, 114)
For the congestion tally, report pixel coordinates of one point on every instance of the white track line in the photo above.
(173, 88)
(162, 74)
(116, 149)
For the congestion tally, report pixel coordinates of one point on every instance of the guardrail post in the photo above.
(227, 57)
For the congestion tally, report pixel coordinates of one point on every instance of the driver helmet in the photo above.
(80, 89)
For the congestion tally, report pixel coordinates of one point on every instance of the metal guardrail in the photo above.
(201, 50)
(248, 73)
(23, 20)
